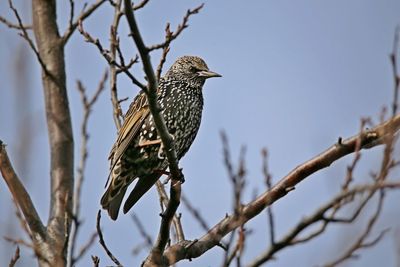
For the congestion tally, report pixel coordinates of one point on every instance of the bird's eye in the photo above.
(193, 69)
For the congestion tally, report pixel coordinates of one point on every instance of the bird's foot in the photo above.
(161, 154)
(181, 177)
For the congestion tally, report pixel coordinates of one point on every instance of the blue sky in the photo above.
(296, 76)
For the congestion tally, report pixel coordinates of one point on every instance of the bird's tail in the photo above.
(112, 198)
(141, 187)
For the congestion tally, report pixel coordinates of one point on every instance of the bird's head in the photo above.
(192, 68)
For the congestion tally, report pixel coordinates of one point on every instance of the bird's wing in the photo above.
(136, 114)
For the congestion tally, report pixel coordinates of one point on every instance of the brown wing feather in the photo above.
(136, 114)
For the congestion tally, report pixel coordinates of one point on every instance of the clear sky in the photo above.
(296, 76)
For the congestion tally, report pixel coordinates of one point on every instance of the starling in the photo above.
(138, 152)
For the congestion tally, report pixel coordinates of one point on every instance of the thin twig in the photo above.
(164, 54)
(184, 24)
(267, 179)
(195, 213)
(147, 238)
(15, 258)
(96, 261)
(180, 236)
(108, 58)
(117, 111)
(11, 25)
(319, 216)
(85, 247)
(87, 109)
(71, 13)
(140, 5)
(239, 247)
(396, 77)
(82, 16)
(385, 168)
(103, 243)
(361, 242)
(237, 179)
(25, 35)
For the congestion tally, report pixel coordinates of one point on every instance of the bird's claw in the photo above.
(161, 154)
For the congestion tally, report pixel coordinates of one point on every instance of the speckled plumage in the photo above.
(138, 151)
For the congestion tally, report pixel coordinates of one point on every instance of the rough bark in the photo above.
(51, 50)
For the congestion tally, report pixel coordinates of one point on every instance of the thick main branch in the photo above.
(51, 50)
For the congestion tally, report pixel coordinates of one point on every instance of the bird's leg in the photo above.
(149, 142)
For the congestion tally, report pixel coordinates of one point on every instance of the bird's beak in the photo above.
(208, 74)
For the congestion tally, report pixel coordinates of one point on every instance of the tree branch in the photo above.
(15, 258)
(167, 140)
(102, 242)
(117, 111)
(87, 109)
(21, 196)
(51, 51)
(82, 16)
(170, 36)
(375, 136)
(12, 25)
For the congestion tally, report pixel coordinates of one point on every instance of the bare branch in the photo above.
(385, 168)
(11, 25)
(361, 242)
(82, 16)
(369, 138)
(180, 236)
(140, 5)
(237, 179)
(151, 93)
(238, 249)
(85, 248)
(87, 109)
(15, 258)
(173, 35)
(268, 178)
(96, 261)
(71, 13)
(25, 35)
(162, 60)
(51, 51)
(396, 77)
(167, 141)
(170, 36)
(21, 196)
(102, 242)
(106, 55)
(195, 213)
(34, 247)
(147, 238)
(117, 111)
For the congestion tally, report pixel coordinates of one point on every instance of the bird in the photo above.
(138, 152)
